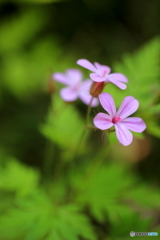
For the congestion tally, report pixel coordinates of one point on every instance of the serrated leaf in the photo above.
(101, 190)
(36, 217)
(108, 191)
(142, 71)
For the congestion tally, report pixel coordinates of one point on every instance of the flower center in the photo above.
(76, 86)
(116, 119)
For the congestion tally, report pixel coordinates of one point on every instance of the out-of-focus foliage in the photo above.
(79, 191)
(116, 199)
(27, 66)
(107, 193)
(16, 178)
(58, 129)
(35, 214)
(142, 70)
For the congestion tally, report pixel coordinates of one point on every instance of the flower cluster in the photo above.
(90, 90)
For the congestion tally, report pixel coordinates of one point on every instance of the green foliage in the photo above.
(111, 191)
(64, 125)
(36, 217)
(13, 28)
(131, 223)
(142, 70)
(17, 178)
(34, 214)
(27, 60)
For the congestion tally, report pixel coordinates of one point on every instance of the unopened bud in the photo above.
(96, 88)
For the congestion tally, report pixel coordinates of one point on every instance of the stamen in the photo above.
(116, 119)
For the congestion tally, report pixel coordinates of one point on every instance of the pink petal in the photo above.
(102, 69)
(60, 77)
(118, 77)
(102, 121)
(124, 136)
(118, 84)
(95, 77)
(108, 104)
(68, 94)
(74, 76)
(128, 106)
(134, 124)
(85, 95)
(86, 64)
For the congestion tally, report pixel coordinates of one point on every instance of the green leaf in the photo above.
(122, 228)
(142, 71)
(18, 178)
(13, 28)
(64, 125)
(154, 128)
(101, 190)
(36, 217)
(138, 194)
(112, 191)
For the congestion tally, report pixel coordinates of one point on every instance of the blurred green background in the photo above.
(38, 38)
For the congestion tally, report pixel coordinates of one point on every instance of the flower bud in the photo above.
(96, 88)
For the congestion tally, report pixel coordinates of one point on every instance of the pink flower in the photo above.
(119, 119)
(75, 88)
(101, 73)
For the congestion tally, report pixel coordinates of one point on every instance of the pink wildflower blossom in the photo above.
(101, 73)
(75, 87)
(119, 119)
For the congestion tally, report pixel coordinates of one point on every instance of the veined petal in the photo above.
(97, 78)
(118, 77)
(124, 136)
(108, 104)
(86, 64)
(118, 84)
(74, 76)
(134, 124)
(60, 77)
(128, 106)
(68, 94)
(84, 93)
(102, 121)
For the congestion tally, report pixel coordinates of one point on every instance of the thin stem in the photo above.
(88, 111)
(48, 160)
(95, 165)
(48, 153)
(85, 128)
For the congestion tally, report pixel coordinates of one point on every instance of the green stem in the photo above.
(88, 112)
(48, 154)
(48, 160)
